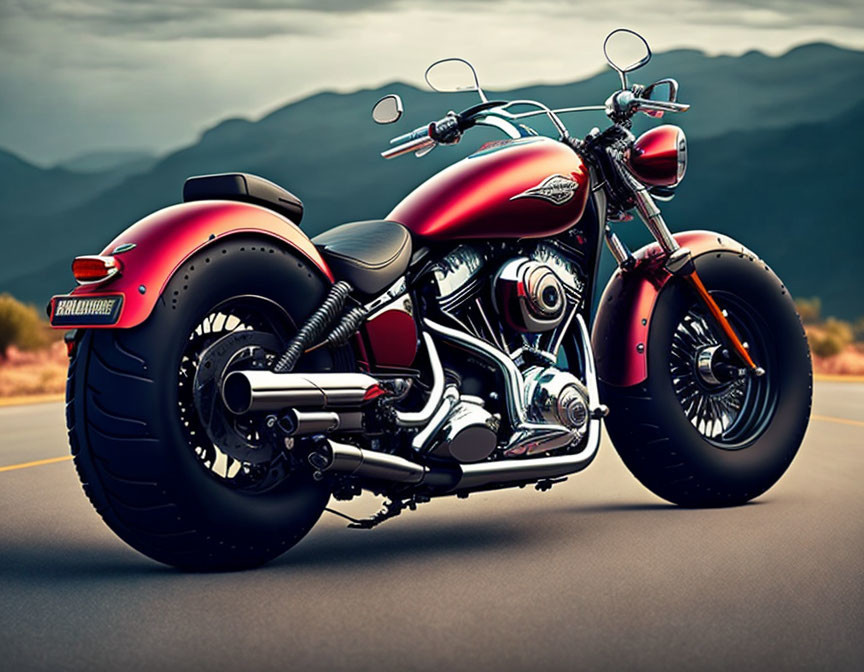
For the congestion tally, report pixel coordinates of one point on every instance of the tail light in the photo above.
(93, 269)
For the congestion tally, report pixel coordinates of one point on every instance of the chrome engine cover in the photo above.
(529, 296)
(558, 397)
(470, 433)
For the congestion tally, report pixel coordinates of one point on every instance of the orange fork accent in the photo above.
(696, 281)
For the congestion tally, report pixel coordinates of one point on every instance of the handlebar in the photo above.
(407, 147)
(447, 131)
(620, 107)
(419, 132)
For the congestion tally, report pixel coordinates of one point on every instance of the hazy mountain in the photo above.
(774, 162)
(125, 162)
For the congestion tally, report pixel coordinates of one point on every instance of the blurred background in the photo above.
(107, 106)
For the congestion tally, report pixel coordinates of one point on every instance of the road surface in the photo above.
(596, 574)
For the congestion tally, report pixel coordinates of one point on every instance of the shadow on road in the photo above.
(36, 563)
(59, 560)
(353, 548)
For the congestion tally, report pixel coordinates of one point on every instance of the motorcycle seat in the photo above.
(371, 255)
(244, 187)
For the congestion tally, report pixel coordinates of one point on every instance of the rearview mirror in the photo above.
(387, 110)
(452, 75)
(626, 51)
(664, 90)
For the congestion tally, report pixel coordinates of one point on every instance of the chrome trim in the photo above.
(502, 471)
(349, 459)
(244, 391)
(395, 290)
(373, 464)
(421, 417)
(510, 130)
(704, 361)
(527, 435)
(424, 436)
(297, 423)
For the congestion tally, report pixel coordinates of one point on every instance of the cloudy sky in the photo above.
(82, 75)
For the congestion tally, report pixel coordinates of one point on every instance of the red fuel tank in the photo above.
(527, 188)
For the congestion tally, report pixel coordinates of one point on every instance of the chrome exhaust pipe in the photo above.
(347, 459)
(245, 391)
(298, 423)
(383, 466)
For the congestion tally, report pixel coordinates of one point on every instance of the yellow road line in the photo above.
(31, 399)
(37, 463)
(842, 421)
(837, 378)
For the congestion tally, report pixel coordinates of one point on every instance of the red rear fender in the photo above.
(164, 240)
(620, 333)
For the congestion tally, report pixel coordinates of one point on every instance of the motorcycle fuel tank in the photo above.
(528, 188)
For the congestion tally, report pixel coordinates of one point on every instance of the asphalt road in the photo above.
(597, 574)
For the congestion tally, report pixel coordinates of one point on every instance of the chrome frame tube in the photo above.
(436, 394)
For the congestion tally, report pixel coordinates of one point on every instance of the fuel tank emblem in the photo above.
(557, 189)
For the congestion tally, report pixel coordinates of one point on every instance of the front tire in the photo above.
(700, 442)
(147, 467)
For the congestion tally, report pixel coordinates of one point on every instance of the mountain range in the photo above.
(774, 147)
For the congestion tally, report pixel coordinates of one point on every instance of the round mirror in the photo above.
(451, 75)
(387, 110)
(626, 50)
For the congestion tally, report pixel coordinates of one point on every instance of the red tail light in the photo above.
(92, 269)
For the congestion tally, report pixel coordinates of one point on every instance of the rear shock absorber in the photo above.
(314, 326)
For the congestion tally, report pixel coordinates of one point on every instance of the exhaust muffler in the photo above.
(245, 391)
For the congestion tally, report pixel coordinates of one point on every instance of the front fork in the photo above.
(679, 262)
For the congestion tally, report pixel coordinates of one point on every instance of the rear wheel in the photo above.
(169, 469)
(700, 431)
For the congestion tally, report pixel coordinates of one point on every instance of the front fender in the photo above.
(164, 240)
(620, 334)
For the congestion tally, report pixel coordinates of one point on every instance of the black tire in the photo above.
(132, 451)
(648, 424)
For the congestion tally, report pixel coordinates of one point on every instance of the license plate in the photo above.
(72, 311)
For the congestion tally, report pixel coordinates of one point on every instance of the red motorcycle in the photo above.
(229, 375)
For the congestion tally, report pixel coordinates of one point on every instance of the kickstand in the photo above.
(392, 508)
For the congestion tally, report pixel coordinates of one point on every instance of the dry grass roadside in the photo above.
(34, 373)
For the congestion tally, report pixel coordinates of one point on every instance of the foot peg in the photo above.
(599, 412)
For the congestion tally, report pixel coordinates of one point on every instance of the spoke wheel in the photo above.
(727, 405)
(241, 452)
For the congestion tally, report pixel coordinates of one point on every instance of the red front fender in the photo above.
(620, 334)
(164, 240)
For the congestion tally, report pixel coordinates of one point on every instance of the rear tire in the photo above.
(715, 456)
(132, 449)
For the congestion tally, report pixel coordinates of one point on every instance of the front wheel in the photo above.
(700, 431)
(170, 471)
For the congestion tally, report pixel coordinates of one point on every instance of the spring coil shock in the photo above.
(346, 328)
(314, 326)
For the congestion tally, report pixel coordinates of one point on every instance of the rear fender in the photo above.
(167, 238)
(620, 334)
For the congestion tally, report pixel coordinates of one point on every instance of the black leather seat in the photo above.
(370, 255)
(244, 187)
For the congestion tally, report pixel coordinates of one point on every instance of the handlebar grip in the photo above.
(661, 105)
(406, 148)
(419, 132)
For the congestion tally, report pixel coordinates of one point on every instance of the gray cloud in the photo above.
(78, 75)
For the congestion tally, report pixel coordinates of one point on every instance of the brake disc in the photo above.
(245, 438)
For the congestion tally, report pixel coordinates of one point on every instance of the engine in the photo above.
(511, 303)
(528, 294)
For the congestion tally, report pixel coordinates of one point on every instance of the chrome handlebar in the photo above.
(619, 107)
(415, 145)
